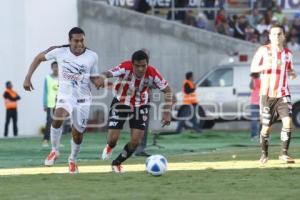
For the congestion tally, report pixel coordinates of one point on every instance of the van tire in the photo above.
(296, 115)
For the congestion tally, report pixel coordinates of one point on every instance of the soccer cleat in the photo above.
(73, 167)
(286, 159)
(107, 151)
(51, 158)
(263, 159)
(117, 169)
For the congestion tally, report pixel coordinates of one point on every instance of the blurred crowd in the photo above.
(250, 25)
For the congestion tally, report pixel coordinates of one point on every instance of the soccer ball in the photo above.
(156, 165)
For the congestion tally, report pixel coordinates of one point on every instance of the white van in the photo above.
(224, 94)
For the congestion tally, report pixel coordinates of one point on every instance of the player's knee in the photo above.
(56, 123)
(265, 130)
(77, 138)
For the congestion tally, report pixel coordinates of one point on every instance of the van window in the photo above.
(219, 78)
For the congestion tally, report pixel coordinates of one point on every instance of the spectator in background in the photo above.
(223, 27)
(10, 100)
(268, 16)
(202, 21)
(209, 4)
(49, 99)
(190, 19)
(293, 44)
(262, 26)
(264, 37)
(179, 15)
(141, 6)
(254, 18)
(188, 111)
(279, 15)
(292, 33)
(240, 28)
(220, 16)
(296, 25)
(254, 100)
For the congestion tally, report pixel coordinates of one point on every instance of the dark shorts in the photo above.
(119, 113)
(273, 109)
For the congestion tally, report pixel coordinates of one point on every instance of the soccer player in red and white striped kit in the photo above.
(130, 102)
(274, 62)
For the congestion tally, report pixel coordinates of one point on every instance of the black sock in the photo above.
(126, 153)
(264, 141)
(285, 140)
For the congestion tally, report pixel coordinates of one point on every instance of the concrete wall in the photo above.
(115, 33)
(28, 27)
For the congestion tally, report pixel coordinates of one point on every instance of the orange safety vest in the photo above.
(8, 103)
(190, 98)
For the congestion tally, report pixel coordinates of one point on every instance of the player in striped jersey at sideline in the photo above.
(130, 102)
(274, 62)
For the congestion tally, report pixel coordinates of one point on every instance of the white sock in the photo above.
(75, 148)
(55, 134)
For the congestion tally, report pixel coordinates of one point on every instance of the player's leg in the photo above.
(266, 121)
(62, 111)
(137, 125)
(136, 137)
(117, 115)
(112, 139)
(79, 123)
(284, 109)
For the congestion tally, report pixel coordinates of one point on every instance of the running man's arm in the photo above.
(34, 65)
(290, 68)
(258, 61)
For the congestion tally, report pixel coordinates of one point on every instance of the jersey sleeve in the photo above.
(118, 70)
(158, 80)
(258, 61)
(94, 69)
(52, 52)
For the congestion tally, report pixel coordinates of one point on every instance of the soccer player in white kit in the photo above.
(274, 62)
(78, 68)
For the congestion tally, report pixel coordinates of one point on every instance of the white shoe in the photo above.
(117, 169)
(106, 153)
(286, 159)
(263, 159)
(73, 167)
(51, 158)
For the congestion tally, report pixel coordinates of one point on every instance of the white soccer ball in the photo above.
(156, 165)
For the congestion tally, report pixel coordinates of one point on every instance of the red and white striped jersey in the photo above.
(273, 67)
(130, 90)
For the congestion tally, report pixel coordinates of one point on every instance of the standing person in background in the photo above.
(10, 100)
(188, 109)
(275, 63)
(49, 98)
(254, 100)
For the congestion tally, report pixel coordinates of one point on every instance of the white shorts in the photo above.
(78, 110)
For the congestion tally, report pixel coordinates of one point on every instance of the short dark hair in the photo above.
(277, 26)
(139, 55)
(189, 75)
(75, 30)
(8, 83)
(53, 63)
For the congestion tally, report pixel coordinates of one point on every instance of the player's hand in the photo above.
(292, 74)
(99, 82)
(166, 118)
(27, 85)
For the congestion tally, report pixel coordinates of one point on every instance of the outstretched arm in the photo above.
(34, 65)
(168, 97)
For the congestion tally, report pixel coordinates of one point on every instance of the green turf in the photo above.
(260, 183)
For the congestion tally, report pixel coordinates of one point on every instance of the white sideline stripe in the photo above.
(141, 167)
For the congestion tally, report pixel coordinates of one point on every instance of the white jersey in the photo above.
(74, 71)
